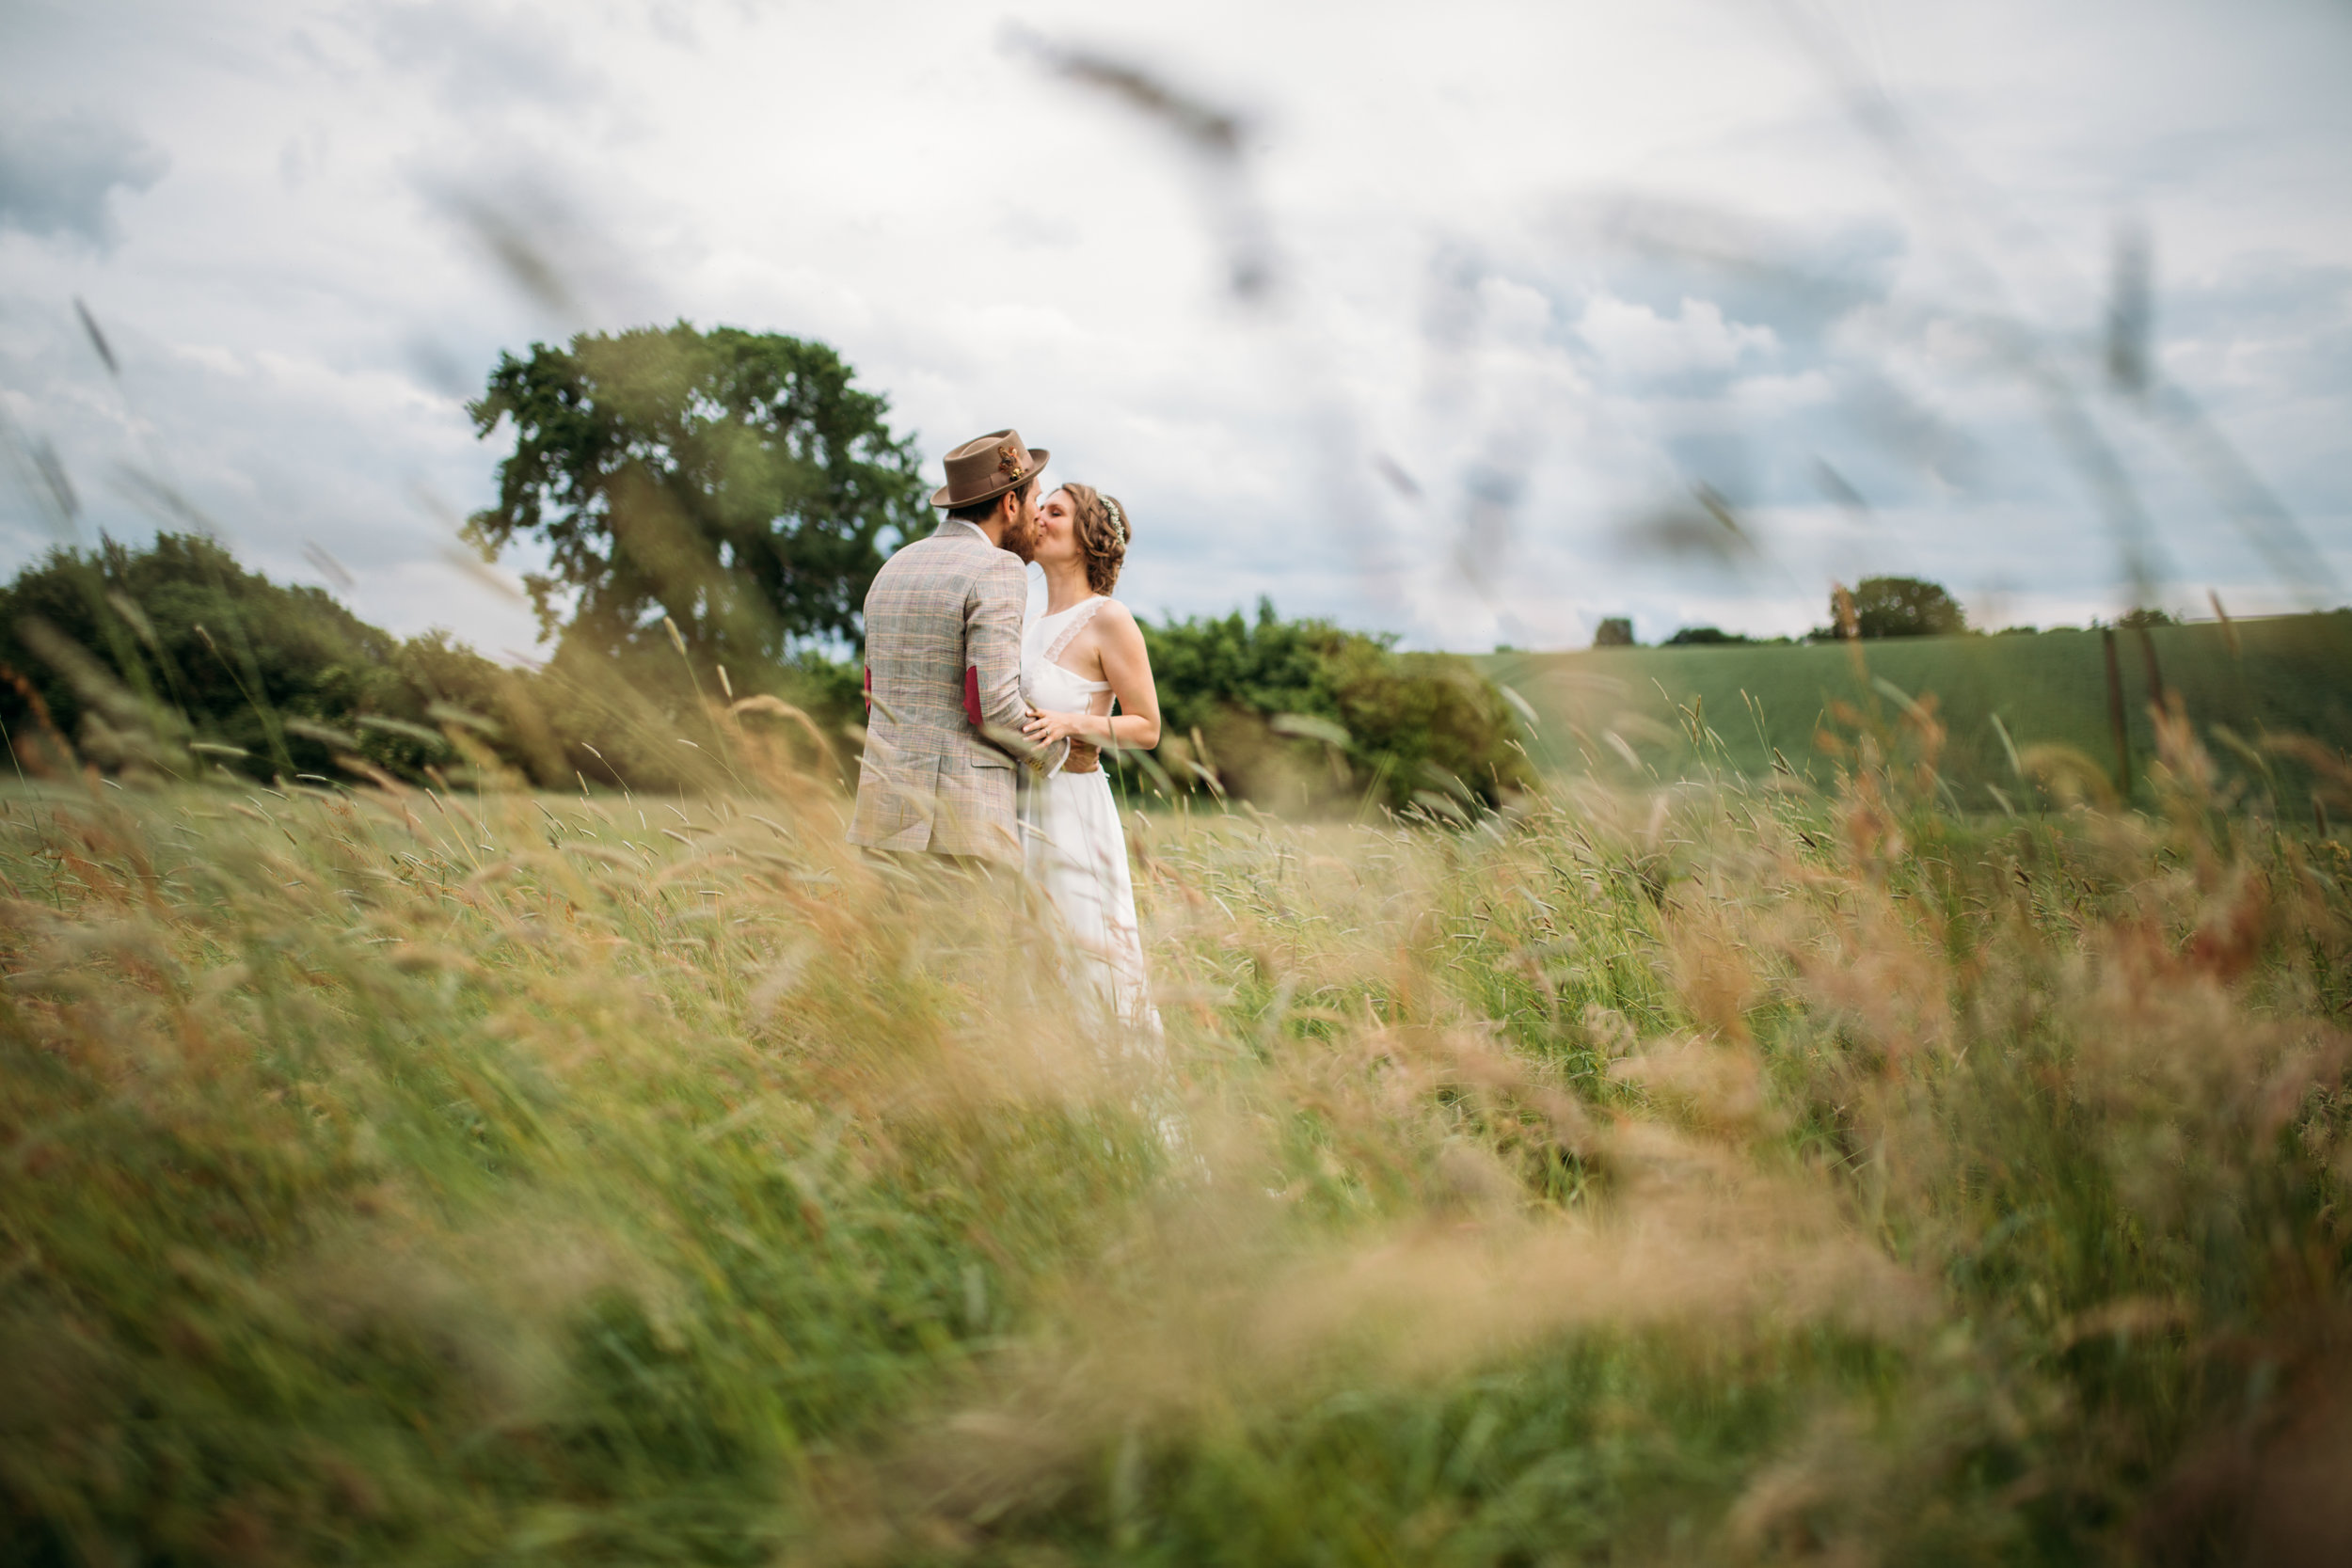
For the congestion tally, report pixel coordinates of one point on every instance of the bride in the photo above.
(1079, 658)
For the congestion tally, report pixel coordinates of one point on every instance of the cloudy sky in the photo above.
(1491, 319)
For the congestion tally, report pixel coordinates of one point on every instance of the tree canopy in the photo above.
(735, 481)
(1898, 607)
(205, 647)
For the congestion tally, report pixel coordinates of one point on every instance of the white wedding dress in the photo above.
(1073, 845)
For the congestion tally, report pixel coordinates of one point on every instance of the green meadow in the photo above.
(2249, 688)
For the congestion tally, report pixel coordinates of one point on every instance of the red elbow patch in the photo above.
(972, 693)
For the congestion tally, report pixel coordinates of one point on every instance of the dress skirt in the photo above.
(1073, 849)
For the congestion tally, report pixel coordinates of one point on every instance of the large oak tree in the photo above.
(736, 482)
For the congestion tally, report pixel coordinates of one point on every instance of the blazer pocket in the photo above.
(992, 759)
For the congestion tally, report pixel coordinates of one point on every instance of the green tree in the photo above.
(170, 657)
(214, 652)
(1401, 723)
(1901, 607)
(1616, 631)
(1206, 665)
(736, 482)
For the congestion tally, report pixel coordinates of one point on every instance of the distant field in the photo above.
(2289, 676)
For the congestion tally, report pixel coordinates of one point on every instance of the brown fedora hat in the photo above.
(984, 469)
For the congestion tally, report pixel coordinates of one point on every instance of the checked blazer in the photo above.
(943, 682)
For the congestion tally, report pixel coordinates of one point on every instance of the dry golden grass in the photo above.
(1689, 1175)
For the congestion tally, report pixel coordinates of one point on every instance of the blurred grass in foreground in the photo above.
(1702, 1174)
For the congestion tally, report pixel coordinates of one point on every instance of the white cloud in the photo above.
(1635, 341)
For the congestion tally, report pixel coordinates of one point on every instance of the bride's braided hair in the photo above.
(1102, 530)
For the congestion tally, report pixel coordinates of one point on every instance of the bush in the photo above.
(172, 659)
(1302, 714)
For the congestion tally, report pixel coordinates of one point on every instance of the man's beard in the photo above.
(1022, 541)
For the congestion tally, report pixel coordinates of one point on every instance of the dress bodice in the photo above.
(1046, 685)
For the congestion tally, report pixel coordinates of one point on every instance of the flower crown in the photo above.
(1116, 516)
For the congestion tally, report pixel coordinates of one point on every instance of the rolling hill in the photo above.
(1680, 711)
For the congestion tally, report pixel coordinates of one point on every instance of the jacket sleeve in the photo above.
(992, 652)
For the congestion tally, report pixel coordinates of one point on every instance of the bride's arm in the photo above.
(1127, 665)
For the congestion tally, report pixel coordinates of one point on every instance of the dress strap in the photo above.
(1079, 614)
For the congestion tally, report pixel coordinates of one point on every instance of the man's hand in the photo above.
(1081, 757)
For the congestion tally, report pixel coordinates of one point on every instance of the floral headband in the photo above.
(1116, 516)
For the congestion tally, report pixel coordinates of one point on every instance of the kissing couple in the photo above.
(964, 700)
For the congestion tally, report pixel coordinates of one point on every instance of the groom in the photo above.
(943, 665)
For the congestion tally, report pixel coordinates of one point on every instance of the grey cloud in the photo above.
(57, 176)
(2291, 320)
(2268, 293)
(1799, 282)
(550, 236)
(277, 454)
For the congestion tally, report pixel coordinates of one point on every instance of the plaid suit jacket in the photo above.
(943, 679)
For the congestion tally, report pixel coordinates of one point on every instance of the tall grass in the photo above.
(1705, 1174)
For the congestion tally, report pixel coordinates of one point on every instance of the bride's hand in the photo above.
(1044, 729)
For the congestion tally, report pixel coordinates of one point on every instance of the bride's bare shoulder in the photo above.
(1115, 615)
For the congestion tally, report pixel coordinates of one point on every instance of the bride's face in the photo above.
(1056, 531)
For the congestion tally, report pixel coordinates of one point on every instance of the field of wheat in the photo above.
(1714, 1173)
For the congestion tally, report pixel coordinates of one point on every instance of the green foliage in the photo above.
(737, 483)
(1615, 631)
(1206, 665)
(1706, 637)
(1897, 606)
(179, 635)
(1234, 694)
(172, 658)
